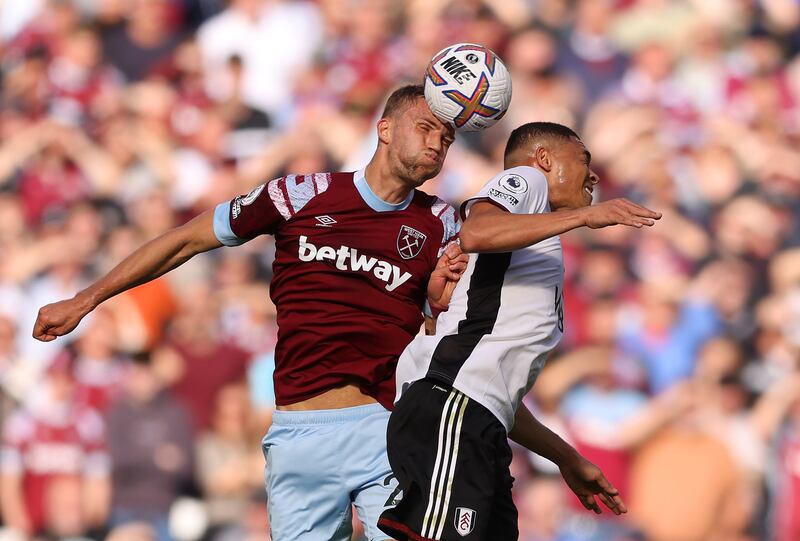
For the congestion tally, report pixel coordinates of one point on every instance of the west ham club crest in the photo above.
(409, 242)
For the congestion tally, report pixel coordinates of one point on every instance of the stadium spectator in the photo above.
(98, 372)
(150, 441)
(198, 362)
(228, 465)
(145, 41)
(246, 29)
(691, 108)
(55, 469)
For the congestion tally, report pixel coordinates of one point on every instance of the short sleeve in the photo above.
(266, 208)
(451, 225)
(519, 190)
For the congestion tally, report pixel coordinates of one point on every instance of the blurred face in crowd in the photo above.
(417, 142)
(141, 383)
(61, 384)
(99, 338)
(532, 53)
(83, 48)
(231, 410)
(570, 179)
(150, 16)
(655, 60)
(593, 16)
(718, 358)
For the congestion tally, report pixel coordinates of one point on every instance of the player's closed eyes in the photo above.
(427, 127)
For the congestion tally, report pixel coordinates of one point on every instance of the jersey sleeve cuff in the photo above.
(222, 226)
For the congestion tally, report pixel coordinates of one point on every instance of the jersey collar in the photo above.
(373, 201)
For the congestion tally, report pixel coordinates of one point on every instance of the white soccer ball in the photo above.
(467, 86)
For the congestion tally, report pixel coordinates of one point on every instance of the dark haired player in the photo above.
(460, 391)
(357, 256)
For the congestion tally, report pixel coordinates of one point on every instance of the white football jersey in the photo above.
(506, 313)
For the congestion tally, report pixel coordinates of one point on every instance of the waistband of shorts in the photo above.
(325, 417)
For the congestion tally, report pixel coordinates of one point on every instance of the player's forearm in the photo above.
(536, 437)
(152, 260)
(507, 232)
(430, 326)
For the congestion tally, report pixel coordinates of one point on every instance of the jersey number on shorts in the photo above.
(396, 495)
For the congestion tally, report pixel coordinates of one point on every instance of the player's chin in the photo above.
(427, 170)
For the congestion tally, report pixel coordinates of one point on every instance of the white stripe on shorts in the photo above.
(437, 463)
(446, 455)
(448, 490)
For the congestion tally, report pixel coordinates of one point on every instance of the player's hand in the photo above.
(619, 212)
(448, 271)
(587, 481)
(58, 319)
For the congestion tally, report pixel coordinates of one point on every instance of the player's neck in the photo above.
(388, 187)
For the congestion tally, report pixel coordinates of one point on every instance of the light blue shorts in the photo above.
(321, 462)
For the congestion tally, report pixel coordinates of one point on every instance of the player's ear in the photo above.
(543, 158)
(384, 130)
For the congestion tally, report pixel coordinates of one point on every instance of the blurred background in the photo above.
(678, 373)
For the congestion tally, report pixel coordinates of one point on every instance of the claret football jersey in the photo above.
(350, 276)
(506, 313)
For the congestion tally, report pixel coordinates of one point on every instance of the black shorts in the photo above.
(451, 458)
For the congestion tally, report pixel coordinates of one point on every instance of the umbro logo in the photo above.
(324, 221)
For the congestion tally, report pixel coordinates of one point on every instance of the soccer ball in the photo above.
(467, 86)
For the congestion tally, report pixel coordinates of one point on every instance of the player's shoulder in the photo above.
(292, 192)
(320, 182)
(436, 208)
(521, 179)
(429, 203)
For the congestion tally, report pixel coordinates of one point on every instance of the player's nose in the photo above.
(435, 142)
(593, 177)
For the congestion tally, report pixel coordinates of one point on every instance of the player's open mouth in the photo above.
(588, 190)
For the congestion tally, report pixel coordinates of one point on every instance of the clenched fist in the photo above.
(59, 318)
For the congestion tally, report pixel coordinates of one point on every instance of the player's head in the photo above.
(413, 141)
(559, 153)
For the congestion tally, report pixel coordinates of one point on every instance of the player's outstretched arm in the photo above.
(148, 262)
(488, 228)
(584, 478)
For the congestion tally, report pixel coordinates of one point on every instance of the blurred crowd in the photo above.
(119, 119)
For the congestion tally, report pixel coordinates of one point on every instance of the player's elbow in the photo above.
(197, 235)
(472, 239)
